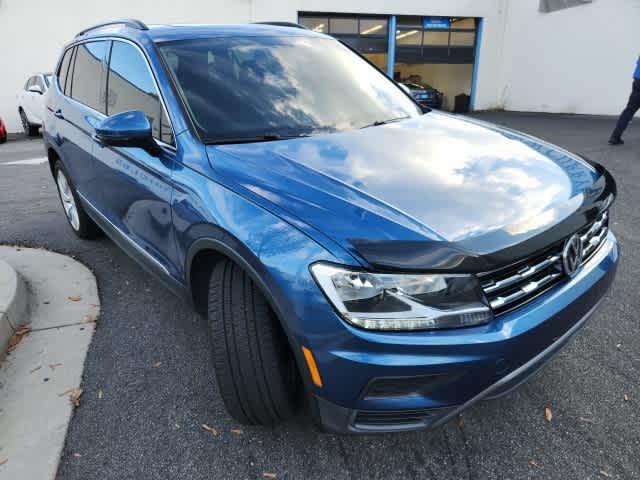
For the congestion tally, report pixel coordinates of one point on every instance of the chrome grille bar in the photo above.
(518, 286)
(494, 286)
(594, 242)
(594, 228)
(524, 290)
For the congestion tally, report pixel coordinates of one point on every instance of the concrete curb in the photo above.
(14, 303)
(40, 379)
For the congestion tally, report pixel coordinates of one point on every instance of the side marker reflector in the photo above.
(313, 368)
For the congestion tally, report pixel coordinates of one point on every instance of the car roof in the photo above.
(165, 33)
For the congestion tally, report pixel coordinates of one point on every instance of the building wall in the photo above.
(576, 60)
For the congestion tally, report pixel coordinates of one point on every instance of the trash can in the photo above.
(461, 104)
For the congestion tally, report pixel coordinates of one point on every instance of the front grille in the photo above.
(513, 286)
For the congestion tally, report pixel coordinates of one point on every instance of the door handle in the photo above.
(58, 114)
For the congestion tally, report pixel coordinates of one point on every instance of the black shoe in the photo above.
(616, 141)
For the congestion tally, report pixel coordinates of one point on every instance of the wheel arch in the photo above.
(223, 246)
(205, 252)
(52, 156)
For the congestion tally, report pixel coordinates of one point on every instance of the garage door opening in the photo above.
(435, 59)
(433, 56)
(368, 34)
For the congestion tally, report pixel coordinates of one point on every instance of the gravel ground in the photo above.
(148, 383)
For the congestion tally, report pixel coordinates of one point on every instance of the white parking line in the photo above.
(28, 161)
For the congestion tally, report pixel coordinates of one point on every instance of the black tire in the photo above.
(253, 362)
(29, 130)
(85, 228)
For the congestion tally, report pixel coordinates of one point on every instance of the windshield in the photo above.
(280, 86)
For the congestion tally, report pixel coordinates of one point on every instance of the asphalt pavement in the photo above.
(149, 386)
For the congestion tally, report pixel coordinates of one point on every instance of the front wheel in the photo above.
(254, 365)
(78, 219)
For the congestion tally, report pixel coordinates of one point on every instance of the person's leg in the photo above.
(627, 114)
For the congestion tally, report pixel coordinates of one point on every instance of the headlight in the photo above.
(403, 302)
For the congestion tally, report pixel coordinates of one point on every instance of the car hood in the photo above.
(430, 193)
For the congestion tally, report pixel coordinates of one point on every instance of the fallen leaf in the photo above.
(618, 346)
(548, 414)
(157, 364)
(236, 431)
(17, 337)
(74, 396)
(77, 455)
(626, 397)
(587, 420)
(100, 394)
(53, 366)
(533, 463)
(605, 474)
(66, 392)
(75, 298)
(2, 462)
(269, 475)
(35, 369)
(209, 429)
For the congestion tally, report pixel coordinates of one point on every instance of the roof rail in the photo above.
(129, 22)
(282, 24)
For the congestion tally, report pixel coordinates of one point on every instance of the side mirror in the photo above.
(127, 129)
(35, 89)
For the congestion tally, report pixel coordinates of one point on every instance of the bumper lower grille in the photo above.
(510, 287)
(399, 419)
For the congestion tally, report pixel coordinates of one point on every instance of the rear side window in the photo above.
(39, 82)
(29, 83)
(64, 68)
(69, 79)
(87, 75)
(130, 86)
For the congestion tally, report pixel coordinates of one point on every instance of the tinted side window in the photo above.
(87, 75)
(130, 86)
(39, 83)
(64, 68)
(29, 83)
(69, 79)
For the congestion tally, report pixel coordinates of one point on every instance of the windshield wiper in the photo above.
(270, 137)
(377, 123)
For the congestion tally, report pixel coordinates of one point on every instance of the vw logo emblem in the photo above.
(572, 255)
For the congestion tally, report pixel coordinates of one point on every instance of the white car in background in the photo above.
(31, 102)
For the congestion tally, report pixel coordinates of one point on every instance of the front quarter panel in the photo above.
(207, 213)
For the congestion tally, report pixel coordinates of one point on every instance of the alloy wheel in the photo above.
(68, 201)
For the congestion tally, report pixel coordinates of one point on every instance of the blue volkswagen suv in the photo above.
(383, 264)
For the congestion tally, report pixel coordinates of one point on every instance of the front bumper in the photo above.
(467, 365)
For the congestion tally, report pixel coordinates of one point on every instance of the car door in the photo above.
(135, 185)
(37, 100)
(79, 111)
(26, 99)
